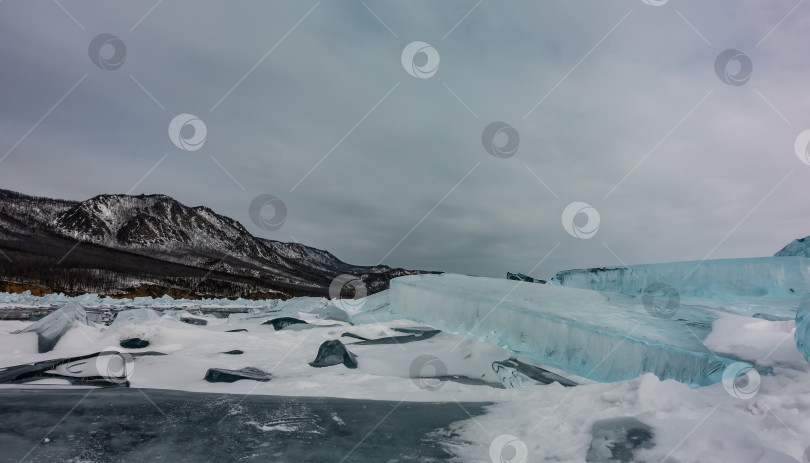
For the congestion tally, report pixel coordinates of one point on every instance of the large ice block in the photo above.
(133, 317)
(376, 308)
(768, 285)
(51, 328)
(753, 277)
(603, 337)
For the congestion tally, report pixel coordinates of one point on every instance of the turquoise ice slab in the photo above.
(802, 334)
(771, 286)
(600, 336)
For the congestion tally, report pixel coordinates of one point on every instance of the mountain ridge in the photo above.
(109, 235)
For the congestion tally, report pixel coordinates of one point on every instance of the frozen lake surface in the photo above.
(149, 425)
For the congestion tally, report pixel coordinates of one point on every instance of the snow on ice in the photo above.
(759, 414)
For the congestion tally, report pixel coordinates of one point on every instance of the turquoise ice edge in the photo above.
(600, 336)
(772, 286)
(802, 333)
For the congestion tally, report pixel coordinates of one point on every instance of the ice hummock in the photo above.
(317, 307)
(51, 327)
(26, 299)
(771, 286)
(375, 308)
(599, 336)
(133, 317)
(799, 247)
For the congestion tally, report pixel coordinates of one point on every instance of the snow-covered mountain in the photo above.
(799, 247)
(115, 233)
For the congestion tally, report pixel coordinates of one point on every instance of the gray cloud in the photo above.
(616, 80)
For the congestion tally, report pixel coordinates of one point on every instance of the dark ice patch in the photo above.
(81, 370)
(221, 375)
(413, 330)
(420, 336)
(772, 318)
(283, 322)
(334, 353)
(134, 343)
(352, 335)
(616, 439)
(194, 321)
(515, 374)
(150, 353)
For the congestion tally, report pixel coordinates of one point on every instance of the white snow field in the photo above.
(751, 417)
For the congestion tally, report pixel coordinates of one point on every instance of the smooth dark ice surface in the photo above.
(123, 425)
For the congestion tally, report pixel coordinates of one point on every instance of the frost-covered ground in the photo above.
(768, 423)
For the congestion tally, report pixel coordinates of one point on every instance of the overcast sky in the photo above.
(620, 105)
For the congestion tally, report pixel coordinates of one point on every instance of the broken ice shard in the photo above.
(99, 369)
(334, 353)
(522, 277)
(413, 336)
(194, 321)
(283, 322)
(515, 374)
(51, 328)
(603, 337)
(221, 375)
